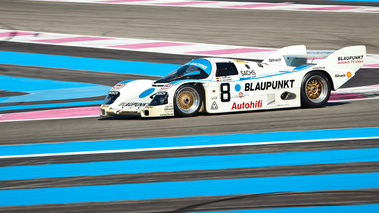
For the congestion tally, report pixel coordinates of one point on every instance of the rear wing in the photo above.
(353, 56)
(341, 65)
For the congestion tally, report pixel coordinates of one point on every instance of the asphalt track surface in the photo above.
(258, 28)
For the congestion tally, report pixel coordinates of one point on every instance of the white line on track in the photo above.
(183, 147)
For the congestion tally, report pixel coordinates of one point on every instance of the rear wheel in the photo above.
(187, 101)
(315, 90)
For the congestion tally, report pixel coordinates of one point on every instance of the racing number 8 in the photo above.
(225, 92)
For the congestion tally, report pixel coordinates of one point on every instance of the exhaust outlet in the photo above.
(288, 96)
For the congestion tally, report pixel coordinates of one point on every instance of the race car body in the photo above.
(286, 79)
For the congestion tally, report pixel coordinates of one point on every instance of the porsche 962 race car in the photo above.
(285, 79)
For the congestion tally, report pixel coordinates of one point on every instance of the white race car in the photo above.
(286, 79)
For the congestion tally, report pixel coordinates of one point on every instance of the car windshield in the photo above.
(184, 72)
(196, 69)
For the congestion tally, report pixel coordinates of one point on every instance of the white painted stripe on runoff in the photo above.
(142, 45)
(184, 147)
(287, 6)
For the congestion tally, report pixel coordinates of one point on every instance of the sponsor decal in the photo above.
(167, 114)
(214, 106)
(247, 105)
(347, 58)
(204, 67)
(119, 86)
(247, 72)
(168, 108)
(214, 98)
(340, 76)
(167, 86)
(239, 61)
(351, 59)
(160, 93)
(132, 104)
(224, 78)
(274, 59)
(348, 74)
(240, 95)
(318, 68)
(113, 92)
(281, 84)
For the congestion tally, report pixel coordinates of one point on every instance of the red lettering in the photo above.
(234, 106)
(244, 105)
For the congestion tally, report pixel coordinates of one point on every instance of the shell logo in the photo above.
(348, 74)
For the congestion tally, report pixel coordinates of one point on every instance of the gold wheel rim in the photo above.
(185, 100)
(314, 89)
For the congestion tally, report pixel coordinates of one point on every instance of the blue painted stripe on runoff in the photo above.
(314, 209)
(177, 189)
(47, 90)
(189, 164)
(86, 64)
(67, 147)
(43, 106)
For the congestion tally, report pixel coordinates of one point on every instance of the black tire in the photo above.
(187, 101)
(315, 90)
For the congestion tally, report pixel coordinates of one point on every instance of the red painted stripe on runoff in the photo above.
(53, 114)
(186, 3)
(258, 5)
(149, 45)
(372, 65)
(229, 51)
(16, 33)
(345, 96)
(72, 39)
(120, 1)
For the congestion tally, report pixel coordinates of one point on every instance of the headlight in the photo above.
(159, 99)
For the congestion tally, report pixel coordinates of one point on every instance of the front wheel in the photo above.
(187, 101)
(315, 90)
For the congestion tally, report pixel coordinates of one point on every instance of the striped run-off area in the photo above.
(29, 185)
(287, 6)
(142, 45)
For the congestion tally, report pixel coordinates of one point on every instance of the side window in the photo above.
(225, 68)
